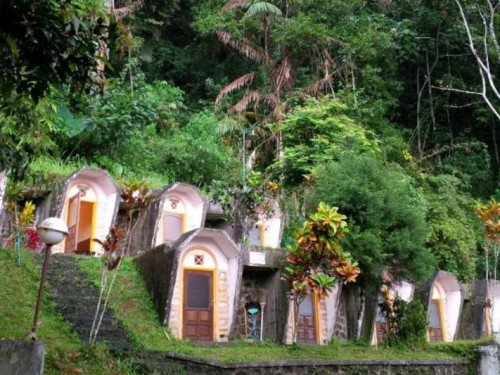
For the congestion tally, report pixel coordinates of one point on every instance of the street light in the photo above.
(51, 231)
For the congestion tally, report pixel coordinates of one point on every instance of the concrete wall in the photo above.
(158, 268)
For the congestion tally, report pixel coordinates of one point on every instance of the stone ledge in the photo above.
(317, 363)
(22, 357)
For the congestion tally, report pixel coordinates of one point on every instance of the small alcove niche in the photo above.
(403, 290)
(206, 275)
(88, 203)
(444, 305)
(181, 208)
(267, 230)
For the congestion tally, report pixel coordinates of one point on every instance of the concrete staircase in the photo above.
(76, 300)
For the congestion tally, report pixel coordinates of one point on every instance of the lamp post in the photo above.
(262, 306)
(51, 231)
(251, 136)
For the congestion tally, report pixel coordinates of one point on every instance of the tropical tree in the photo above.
(43, 44)
(244, 204)
(479, 21)
(453, 231)
(293, 52)
(316, 262)
(387, 216)
(489, 215)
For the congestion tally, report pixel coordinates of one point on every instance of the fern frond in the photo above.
(262, 9)
(234, 85)
(242, 105)
(243, 46)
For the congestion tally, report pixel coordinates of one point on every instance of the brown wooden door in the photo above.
(73, 214)
(198, 305)
(306, 327)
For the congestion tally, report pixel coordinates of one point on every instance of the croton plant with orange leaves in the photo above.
(316, 260)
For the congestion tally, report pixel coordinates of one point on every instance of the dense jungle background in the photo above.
(385, 109)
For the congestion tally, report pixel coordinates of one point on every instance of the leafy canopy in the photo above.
(386, 212)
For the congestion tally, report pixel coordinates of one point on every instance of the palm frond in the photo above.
(262, 9)
(242, 105)
(234, 85)
(282, 76)
(243, 46)
(231, 4)
(319, 86)
(229, 125)
(123, 12)
(271, 100)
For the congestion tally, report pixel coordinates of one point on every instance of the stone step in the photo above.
(76, 300)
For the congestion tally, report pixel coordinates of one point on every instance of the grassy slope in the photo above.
(133, 305)
(66, 354)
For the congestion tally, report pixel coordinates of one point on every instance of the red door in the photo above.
(198, 306)
(306, 327)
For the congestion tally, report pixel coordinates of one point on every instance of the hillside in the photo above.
(68, 352)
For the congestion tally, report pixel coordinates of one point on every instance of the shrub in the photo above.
(407, 323)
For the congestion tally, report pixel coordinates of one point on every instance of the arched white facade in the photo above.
(182, 210)
(209, 252)
(91, 196)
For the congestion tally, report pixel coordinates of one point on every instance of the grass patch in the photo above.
(132, 304)
(66, 354)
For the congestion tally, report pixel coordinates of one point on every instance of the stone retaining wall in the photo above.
(443, 367)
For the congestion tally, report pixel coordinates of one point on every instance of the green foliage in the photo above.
(453, 231)
(25, 130)
(470, 162)
(47, 42)
(244, 204)
(197, 154)
(318, 133)
(386, 214)
(407, 324)
(107, 121)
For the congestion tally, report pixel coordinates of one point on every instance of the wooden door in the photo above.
(172, 226)
(198, 305)
(435, 323)
(85, 227)
(306, 327)
(73, 214)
